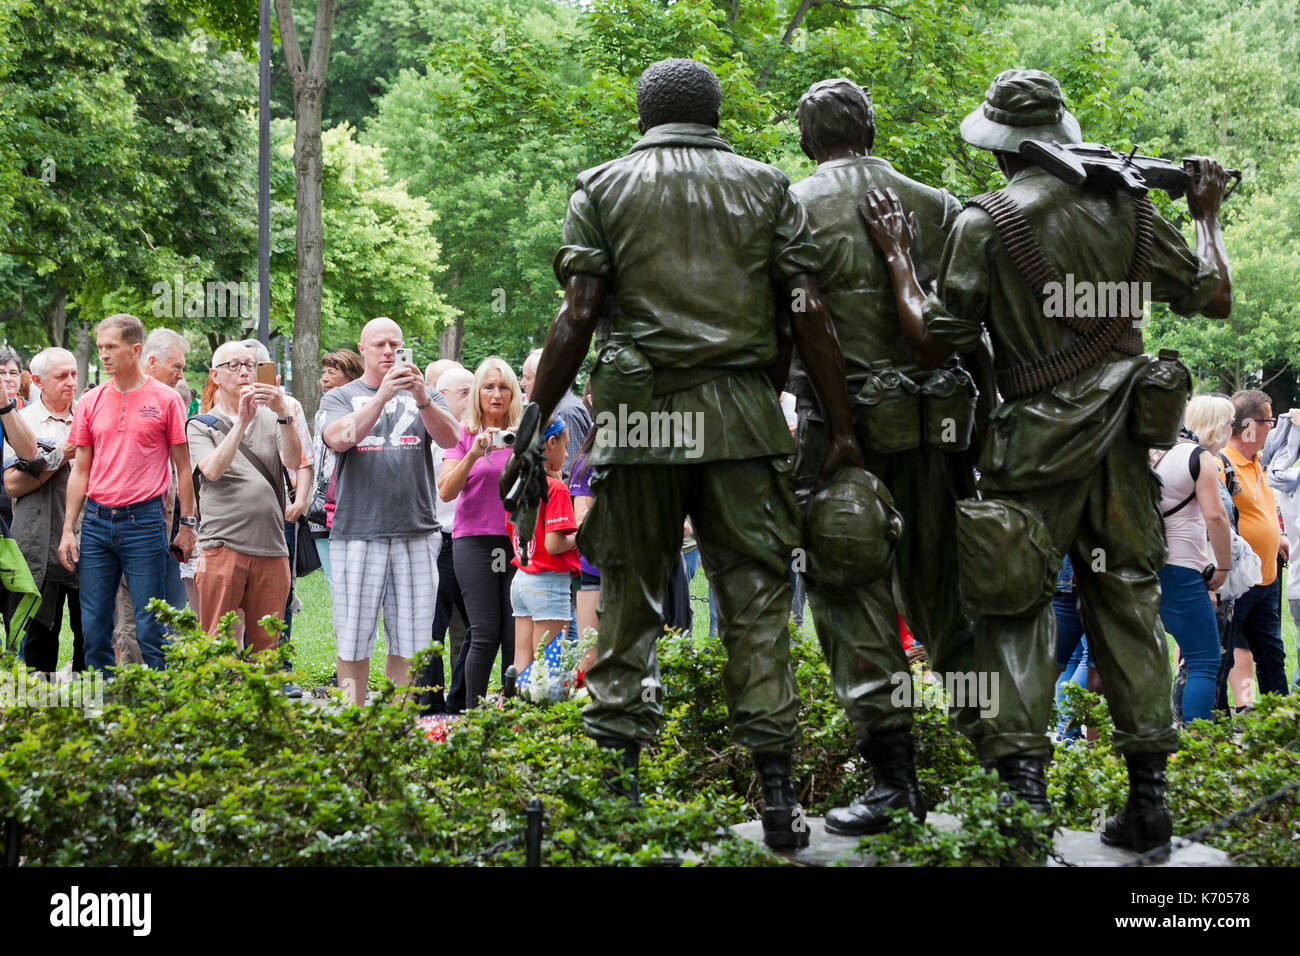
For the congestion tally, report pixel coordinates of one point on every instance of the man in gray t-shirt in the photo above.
(384, 540)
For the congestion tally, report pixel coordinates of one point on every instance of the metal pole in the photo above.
(264, 171)
(533, 833)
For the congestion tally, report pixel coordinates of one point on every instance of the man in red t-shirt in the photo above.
(127, 431)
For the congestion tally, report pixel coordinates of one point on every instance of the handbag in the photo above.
(306, 558)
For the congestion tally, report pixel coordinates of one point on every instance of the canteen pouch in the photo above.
(887, 411)
(1005, 557)
(1160, 395)
(948, 409)
(621, 376)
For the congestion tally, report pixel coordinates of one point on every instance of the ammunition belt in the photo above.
(1096, 336)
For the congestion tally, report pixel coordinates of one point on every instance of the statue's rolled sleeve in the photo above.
(955, 311)
(584, 249)
(793, 250)
(1178, 275)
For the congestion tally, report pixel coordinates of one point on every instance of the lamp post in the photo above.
(263, 170)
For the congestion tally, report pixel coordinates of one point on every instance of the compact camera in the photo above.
(503, 439)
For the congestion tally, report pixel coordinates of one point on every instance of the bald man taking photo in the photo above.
(385, 538)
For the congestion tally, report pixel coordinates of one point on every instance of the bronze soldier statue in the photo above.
(914, 427)
(1064, 466)
(675, 256)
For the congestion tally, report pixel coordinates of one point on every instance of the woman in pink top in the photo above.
(482, 550)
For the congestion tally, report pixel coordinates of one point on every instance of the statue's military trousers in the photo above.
(745, 520)
(1109, 523)
(858, 627)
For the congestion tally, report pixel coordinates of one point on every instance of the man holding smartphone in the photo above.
(240, 447)
(385, 538)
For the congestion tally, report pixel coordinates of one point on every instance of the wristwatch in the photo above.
(5, 410)
(189, 521)
(421, 406)
(285, 421)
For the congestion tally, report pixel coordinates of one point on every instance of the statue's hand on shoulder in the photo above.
(892, 229)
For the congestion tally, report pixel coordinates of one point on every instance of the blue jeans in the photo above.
(1072, 654)
(1187, 613)
(1257, 623)
(130, 540)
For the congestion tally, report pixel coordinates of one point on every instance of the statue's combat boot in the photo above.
(1025, 778)
(620, 774)
(1144, 823)
(892, 757)
(784, 826)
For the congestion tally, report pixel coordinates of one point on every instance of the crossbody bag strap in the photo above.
(221, 425)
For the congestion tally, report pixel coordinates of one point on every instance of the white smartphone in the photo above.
(402, 356)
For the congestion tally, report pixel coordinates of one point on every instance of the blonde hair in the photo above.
(1210, 417)
(516, 408)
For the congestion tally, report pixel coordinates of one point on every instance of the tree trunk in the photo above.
(82, 351)
(55, 315)
(453, 336)
(308, 80)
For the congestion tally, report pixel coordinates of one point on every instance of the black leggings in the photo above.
(487, 602)
(41, 648)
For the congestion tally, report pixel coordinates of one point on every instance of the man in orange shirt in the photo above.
(1256, 619)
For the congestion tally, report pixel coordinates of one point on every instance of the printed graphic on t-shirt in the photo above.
(150, 411)
(403, 403)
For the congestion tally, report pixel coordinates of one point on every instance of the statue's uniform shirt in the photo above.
(852, 276)
(691, 237)
(1065, 455)
(858, 627)
(1058, 434)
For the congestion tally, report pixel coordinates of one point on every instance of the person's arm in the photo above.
(1216, 519)
(302, 492)
(187, 537)
(17, 432)
(77, 484)
(1204, 196)
(287, 437)
(558, 542)
(893, 232)
(344, 433)
(819, 348)
(455, 471)
(19, 482)
(581, 505)
(438, 421)
(213, 466)
(568, 340)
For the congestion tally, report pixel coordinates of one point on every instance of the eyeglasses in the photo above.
(236, 366)
(1270, 422)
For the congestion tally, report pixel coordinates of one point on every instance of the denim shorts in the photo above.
(542, 595)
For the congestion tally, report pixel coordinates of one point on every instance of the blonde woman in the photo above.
(482, 547)
(1199, 533)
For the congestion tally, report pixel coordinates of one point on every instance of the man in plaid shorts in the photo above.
(385, 537)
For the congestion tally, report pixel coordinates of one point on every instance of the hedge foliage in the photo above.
(209, 763)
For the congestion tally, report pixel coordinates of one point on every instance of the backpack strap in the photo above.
(221, 425)
(1193, 466)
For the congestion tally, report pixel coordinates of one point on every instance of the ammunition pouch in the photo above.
(895, 412)
(621, 376)
(1005, 557)
(1160, 395)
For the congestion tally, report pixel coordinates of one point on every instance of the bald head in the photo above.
(229, 351)
(529, 373)
(455, 385)
(437, 369)
(380, 338)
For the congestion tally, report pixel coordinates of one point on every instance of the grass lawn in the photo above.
(314, 639)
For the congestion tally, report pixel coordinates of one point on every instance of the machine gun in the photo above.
(523, 483)
(1097, 165)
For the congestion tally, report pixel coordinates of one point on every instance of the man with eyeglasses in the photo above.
(1256, 618)
(127, 431)
(240, 450)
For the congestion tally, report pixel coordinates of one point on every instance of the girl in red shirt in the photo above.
(542, 595)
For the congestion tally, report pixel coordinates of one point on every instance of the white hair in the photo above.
(162, 342)
(40, 363)
(262, 353)
(222, 354)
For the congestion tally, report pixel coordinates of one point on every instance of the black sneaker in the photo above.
(291, 690)
(508, 682)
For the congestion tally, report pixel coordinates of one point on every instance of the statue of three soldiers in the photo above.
(697, 269)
